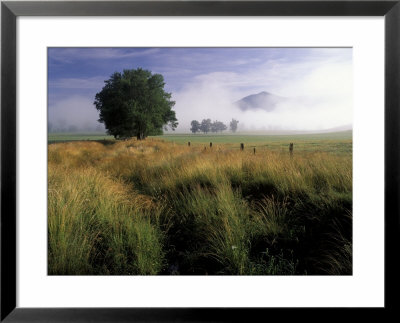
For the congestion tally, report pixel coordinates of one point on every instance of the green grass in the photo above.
(65, 137)
(338, 142)
(252, 137)
(217, 138)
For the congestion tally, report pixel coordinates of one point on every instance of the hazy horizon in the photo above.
(205, 82)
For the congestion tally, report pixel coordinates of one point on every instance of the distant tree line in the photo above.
(207, 126)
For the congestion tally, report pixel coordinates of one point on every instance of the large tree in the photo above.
(134, 103)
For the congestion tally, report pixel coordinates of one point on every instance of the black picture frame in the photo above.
(10, 10)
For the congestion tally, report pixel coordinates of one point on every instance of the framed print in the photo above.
(198, 160)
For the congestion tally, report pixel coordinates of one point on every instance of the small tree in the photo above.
(233, 125)
(218, 126)
(195, 126)
(205, 125)
(134, 103)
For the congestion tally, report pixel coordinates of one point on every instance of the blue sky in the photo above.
(205, 81)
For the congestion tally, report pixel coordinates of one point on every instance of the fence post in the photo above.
(189, 143)
(254, 150)
(210, 144)
(291, 148)
(241, 146)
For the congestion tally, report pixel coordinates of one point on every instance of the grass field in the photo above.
(65, 137)
(162, 207)
(254, 137)
(338, 142)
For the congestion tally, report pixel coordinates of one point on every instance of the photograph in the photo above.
(200, 161)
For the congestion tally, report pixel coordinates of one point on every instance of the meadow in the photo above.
(162, 207)
(66, 137)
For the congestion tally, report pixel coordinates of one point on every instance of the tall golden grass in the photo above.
(154, 207)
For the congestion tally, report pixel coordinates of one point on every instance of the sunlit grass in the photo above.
(97, 226)
(159, 207)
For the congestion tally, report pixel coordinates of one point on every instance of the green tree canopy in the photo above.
(134, 103)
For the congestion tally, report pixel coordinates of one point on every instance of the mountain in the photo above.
(263, 100)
